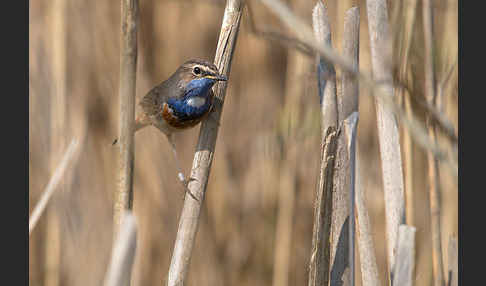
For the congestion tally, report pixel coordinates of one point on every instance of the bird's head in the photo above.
(194, 80)
(198, 73)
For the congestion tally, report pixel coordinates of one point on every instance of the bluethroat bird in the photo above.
(180, 102)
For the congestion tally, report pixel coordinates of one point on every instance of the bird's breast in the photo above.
(182, 121)
(196, 102)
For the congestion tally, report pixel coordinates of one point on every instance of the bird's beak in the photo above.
(218, 77)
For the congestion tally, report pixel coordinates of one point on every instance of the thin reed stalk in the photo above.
(442, 85)
(453, 265)
(128, 76)
(189, 219)
(297, 64)
(58, 130)
(434, 200)
(120, 269)
(276, 36)
(388, 136)
(69, 158)
(433, 170)
(367, 256)
(319, 265)
(350, 125)
(285, 217)
(405, 258)
(408, 26)
(408, 152)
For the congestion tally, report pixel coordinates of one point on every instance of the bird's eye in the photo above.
(197, 70)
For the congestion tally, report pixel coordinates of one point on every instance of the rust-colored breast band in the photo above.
(173, 121)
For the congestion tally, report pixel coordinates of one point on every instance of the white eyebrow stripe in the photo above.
(196, 101)
(205, 68)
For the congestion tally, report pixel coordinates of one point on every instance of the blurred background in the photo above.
(264, 175)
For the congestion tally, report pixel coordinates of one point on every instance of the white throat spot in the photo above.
(196, 101)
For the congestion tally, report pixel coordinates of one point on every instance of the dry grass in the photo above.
(262, 138)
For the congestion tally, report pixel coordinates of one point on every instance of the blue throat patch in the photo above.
(197, 87)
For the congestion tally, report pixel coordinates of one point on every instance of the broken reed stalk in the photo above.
(405, 257)
(68, 159)
(433, 172)
(120, 269)
(189, 219)
(339, 254)
(367, 256)
(128, 76)
(304, 35)
(340, 221)
(320, 253)
(319, 265)
(342, 225)
(391, 162)
(350, 126)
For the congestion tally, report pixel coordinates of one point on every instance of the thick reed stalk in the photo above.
(348, 102)
(319, 265)
(367, 256)
(128, 76)
(320, 255)
(203, 158)
(326, 74)
(342, 226)
(405, 257)
(433, 173)
(391, 162)
(120, 269)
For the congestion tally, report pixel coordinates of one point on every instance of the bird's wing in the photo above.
(149, 102)
(152, 102)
